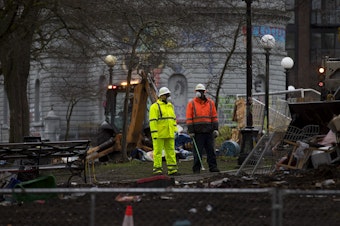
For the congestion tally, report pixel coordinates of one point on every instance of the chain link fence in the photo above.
(174, 206)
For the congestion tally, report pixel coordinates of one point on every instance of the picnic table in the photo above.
(45, 155)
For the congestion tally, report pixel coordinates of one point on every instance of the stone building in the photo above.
(181, 72)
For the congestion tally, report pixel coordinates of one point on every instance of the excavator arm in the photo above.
(142, 92)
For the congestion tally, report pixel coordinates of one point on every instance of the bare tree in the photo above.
(129, 29)
(229, 54)
(18, 22)
(73, 86)
(29, 28)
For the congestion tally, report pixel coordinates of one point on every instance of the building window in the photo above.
(178, 86)
(5, 109)
(37, 101)
(324, 43)
(316, 41)
(290, 5)
(325, 12)
(290, 9)
(259, 83)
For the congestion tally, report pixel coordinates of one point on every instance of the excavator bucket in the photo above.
(314, 113)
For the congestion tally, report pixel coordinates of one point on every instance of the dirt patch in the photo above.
(153, 208)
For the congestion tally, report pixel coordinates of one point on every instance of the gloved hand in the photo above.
(191, 135)
(216, 133)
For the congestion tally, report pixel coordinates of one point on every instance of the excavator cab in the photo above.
(114, 108)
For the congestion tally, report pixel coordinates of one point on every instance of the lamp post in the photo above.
(268, 42)
(287, 63)
(249, 116)
(249, 132)
(111, 61)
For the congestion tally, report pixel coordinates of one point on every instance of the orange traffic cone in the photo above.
(128, 218)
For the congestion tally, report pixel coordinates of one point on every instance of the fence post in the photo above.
(93, 208)
(277, 207)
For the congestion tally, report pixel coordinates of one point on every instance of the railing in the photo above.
(279, 114)
(301, 91)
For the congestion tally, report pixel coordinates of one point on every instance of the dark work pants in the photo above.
(204, 141)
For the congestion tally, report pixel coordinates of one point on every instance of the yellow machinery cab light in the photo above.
(133, 82)
(111, 87)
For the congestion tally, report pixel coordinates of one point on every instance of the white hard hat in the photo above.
(163, 91)
(200, 87)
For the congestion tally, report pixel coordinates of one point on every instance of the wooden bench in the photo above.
(38, 156)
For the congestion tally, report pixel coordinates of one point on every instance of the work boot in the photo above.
(175, 174)
(214, 170)
(157, 172)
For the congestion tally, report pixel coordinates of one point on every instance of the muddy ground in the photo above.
(182, 208)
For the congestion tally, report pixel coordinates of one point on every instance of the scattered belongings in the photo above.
(128, 198)
(47, 181)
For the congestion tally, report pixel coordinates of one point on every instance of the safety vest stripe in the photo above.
(200, 123)
(203, 119)
(161, 115)
(166, 118)
(160, 111)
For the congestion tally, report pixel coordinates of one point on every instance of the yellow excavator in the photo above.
(109, 139)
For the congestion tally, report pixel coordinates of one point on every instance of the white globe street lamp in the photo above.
(287, 63)
(111, 62)
(268, 42)
(291, 88)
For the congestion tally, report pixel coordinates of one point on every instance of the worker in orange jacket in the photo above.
(202, 123)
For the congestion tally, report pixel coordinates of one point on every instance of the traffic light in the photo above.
(321, 75)
(321, 84)
(322, 70)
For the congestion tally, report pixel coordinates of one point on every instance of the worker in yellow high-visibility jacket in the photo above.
(163, 127)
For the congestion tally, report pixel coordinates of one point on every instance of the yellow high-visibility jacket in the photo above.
(162, 119)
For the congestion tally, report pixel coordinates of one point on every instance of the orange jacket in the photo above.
(201, 116)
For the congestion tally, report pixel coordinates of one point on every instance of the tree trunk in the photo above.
(69, 112)
(15, 48)
(226, 62)
(15, 63)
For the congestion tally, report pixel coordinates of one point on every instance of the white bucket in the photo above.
(320, 158)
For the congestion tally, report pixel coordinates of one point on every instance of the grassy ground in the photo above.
(136, 169)
(116, 172)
